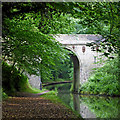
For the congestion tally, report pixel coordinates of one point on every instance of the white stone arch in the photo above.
(76, 66)
(86, 59)
(73, 50)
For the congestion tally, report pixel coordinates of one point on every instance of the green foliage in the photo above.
(59, 24)
(26, 87)
(63, 70)
(4, 95)
(25, 46)
(71, 89)
(100, 18)
(12, 80)
(27, 40)
(103, 80)
(25, 25)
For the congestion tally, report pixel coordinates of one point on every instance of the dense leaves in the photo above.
(25, 25)
(22, 45)
(103, 80)
(25, 39)
(63, 74)
(12, 79)
(100, 18)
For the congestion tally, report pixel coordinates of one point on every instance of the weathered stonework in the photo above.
(86, 57)
(34, 81)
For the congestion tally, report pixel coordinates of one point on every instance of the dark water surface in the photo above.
(89, 106)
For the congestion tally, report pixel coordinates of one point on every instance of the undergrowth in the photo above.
(104, 80)
(13, 81)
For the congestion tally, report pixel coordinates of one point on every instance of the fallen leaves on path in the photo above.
(33, 108)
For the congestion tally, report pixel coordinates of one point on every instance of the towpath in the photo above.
(33, 107)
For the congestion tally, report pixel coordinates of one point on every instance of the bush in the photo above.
(4, 95)
(12, 79)
(103, 81)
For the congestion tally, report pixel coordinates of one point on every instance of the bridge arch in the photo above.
(84, 58)
(76, 73)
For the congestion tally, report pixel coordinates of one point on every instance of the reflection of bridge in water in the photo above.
(83, 57)
(81, 108)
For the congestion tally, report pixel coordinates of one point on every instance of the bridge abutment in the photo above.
(76, 75)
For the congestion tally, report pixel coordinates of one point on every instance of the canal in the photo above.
(88, 106)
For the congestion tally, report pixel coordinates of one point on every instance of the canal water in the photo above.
(88, 106)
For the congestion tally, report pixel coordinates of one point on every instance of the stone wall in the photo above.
(87, 62)
(34, 81)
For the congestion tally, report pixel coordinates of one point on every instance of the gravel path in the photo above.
(33, 108)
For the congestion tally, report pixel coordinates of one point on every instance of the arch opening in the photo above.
(76, 71)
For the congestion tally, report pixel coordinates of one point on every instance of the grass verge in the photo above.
(29, 89)
(52, 96)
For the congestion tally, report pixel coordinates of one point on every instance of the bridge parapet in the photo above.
(77, 39)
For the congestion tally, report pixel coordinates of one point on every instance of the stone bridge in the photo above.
(84, 58)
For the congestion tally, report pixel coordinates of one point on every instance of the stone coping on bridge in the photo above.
(77, 39)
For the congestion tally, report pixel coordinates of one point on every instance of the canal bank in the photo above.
(34, 108)
(89, 106)
(44, 105)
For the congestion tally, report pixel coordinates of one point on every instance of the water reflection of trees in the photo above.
(103, 107)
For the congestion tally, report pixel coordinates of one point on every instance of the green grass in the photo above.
(52, 96)
(27, 88)
(4, 95)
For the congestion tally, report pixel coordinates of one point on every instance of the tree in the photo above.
(27, 40)
(63, 70)
(101, 18)
(35, 20)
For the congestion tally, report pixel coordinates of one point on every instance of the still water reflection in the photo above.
(89, 106)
